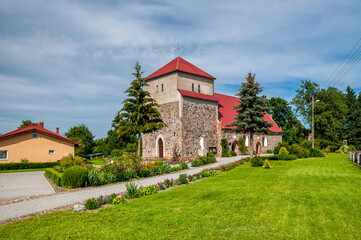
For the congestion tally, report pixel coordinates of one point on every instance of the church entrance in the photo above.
(258, 148)
(234, 146)
(160, 148)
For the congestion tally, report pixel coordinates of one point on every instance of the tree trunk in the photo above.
(251, 145)
(139, 142)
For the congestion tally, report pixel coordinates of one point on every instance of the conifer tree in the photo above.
(139, 114)
(250, 110)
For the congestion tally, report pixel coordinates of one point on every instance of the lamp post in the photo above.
(313, 121)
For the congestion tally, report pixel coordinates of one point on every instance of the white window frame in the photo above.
(7, 155)
(34, 134)
(51, 152)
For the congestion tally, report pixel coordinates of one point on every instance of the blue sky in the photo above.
(69, 62)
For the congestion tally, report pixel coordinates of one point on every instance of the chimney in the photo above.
(57, 130)
(41, 124)
(271, 115)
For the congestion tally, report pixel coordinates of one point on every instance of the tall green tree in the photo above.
(25, 123)
(282, 114)
(250, 110)
(83, 135)
(330, 114)
(139, 114)
(303, 99)
(352, 126)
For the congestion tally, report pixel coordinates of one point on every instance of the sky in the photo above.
(69, 62)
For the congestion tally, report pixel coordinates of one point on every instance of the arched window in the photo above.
(162, 87)
(199, 88)
(265, 141)
(192, 87)
(156, 88)
(245, 138)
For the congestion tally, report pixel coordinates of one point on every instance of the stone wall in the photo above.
(272, 140)
(199, 119)
(171, 135)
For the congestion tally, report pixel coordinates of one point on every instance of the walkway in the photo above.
(62, 199)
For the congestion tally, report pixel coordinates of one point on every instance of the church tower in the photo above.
(185, 95)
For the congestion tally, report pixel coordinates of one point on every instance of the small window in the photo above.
(192, 87)
(199, 88)
(213, 150)
(4, 155)
(156, 88)
(51, 151)
(162, 87)
(35, 135)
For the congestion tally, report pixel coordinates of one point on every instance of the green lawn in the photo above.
(301, 199)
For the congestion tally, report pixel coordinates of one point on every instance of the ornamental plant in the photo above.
(161, 186)
(267, 164)
(91, 204)
(148, 190)
(132, 190)
(168, 182)
(75, 177)
(119, 199)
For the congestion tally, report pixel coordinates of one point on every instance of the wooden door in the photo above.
(160, 148)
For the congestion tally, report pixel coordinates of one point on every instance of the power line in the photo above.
(334, 77)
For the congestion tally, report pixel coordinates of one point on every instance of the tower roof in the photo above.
(179, 64)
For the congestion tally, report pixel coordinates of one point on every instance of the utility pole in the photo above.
(313, 122)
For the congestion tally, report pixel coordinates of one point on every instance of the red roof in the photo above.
(226, 113)
(36, 128)
(197, 95)
(179, 64)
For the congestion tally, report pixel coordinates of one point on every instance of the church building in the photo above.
(195, 115)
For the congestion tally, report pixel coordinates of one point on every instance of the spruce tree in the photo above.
(250, 110)
(139, 114)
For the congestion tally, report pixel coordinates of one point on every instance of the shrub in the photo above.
(232, 153)
(210, 156)
(215, 172)
(269, 151)
(161, 169)
(54, 175)
(93, 178)
(299, 151)
(328, 150)
(242, 147)
(160, 162)
(286, 157)
(148, 190)
(161, 186)
(132, 190)
(267, 164)
(184, 165)
(315, 152)
(182, 179)
(176, 169)
(75, 177)
(91, 204)
(111, 178)
(279, 146)
(30, 165)
(205, 173)
(224, 147)
(283, 151)
(119, 199)
(196, 163)
(256, 161)
(70, 160)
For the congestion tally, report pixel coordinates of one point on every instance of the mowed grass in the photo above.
(315, 198)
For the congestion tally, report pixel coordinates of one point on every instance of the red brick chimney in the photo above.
(41, 124)
(57, 130)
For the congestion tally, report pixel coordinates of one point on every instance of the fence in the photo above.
(355, 157)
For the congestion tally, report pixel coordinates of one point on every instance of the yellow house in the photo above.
(36, 144)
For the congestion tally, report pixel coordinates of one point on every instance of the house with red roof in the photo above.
(195, 115)
(36, 144)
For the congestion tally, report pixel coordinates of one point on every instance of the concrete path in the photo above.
(49, 202)
(24, 184)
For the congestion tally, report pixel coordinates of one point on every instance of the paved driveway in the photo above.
(24, 184)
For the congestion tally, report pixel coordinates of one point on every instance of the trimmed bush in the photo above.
(299, 151)
(232, 153)
(267, 164)
(315, 152)
(27, 165)
(70, 161)
(210, 156)
(269, 151)
(283, 151)
(286, 157)
(75, 177)
(279, 146)
(256, 161)
(54, 175)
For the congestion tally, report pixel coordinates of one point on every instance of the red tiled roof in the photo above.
(181, 65)
(226, 113)
(197, 95)
(36, 128)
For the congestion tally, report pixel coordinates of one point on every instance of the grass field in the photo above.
(302, 199)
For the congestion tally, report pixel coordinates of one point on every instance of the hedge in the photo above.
(54, 175)
(31, 165)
